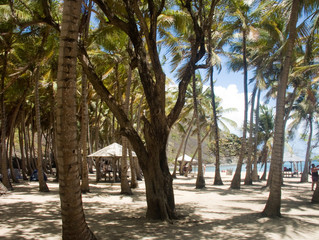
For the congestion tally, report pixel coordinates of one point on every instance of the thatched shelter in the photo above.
(107, 161)
(185, 162)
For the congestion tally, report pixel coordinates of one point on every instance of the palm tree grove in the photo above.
(113, 124)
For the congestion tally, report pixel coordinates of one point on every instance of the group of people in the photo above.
(314, 175)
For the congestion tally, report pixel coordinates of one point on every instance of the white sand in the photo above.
(215, 212)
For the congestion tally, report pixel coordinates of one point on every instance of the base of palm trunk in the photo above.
(200, 182)
(218, 181)
(315, 196)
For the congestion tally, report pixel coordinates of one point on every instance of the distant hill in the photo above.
(175, 141)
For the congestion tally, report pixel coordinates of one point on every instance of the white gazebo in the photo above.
(186, 162)
(111, 155)
(296, 164)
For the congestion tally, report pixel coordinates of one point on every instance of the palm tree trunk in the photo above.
(304, 176)
(235, 183)
(125, 187)
(255, 170)
(23, 159)
(248, 178)
(43, 187)
(11, 134)
(84, 125)
(84, 132)
(4, 167)
(200, 181)
(273, 205)
(264, 156)
(217, 179)
(74, 225)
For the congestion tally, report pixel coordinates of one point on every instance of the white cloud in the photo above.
(232, 98)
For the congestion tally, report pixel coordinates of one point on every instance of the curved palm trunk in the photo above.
(304, 176)
(273, 205)
(235, 183)
(218, 179)
(74, 225)
(11, 134)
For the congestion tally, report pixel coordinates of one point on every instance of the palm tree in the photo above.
(73, 220)
(86, 15)
(305, 109)
(265, 133)
(273, 205)
(200, 181)
(248, 177)
(240, 12)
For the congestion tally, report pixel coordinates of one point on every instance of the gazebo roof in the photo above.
(186, 158)
(288, 157)
(113, 150)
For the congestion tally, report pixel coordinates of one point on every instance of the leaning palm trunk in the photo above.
(273, 205)
(11, 134)
(73, 220)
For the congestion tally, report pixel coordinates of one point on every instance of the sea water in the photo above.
(295, 167)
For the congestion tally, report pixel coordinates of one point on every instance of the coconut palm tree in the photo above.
(305, 109)
(265, 133)
(200, 181)
(73, 220)
(241, 21)
(273, 204)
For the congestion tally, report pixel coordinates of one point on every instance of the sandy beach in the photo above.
(216, 212)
